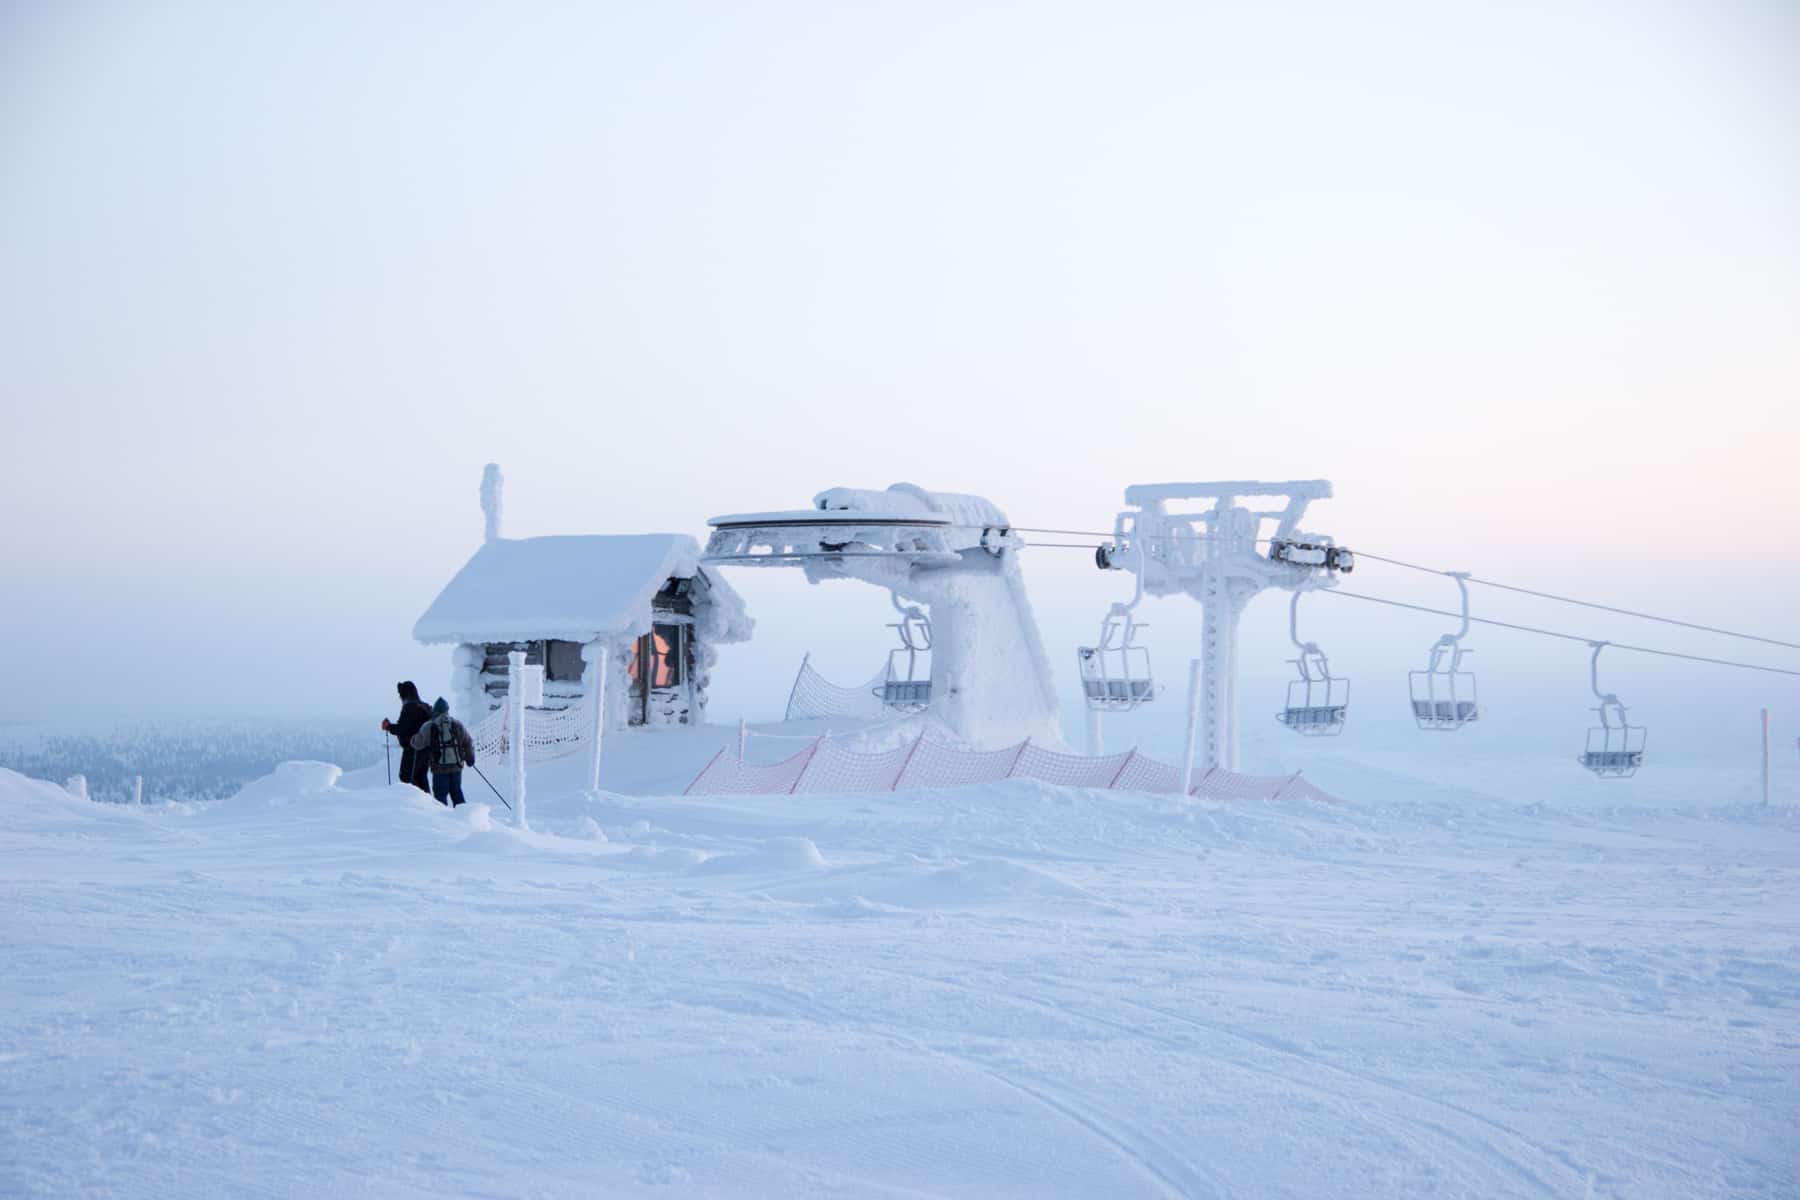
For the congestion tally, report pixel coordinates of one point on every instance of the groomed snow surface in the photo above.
(330, 987)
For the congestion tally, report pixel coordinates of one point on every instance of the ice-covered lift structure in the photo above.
(1213, 552)
(956, 556)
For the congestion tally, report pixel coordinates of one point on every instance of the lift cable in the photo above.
(1628, 612)
(1569, 637)
(1108, 535)
(1493, 583)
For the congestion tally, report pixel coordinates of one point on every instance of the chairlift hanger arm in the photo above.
(910, 611)
(1294, 626)
(1594, 675)
(1105, 558)
(1462, 586)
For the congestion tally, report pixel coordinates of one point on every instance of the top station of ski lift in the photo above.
(819, 537)
(904, 525)
(943, 555)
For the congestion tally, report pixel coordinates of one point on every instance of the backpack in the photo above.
(446, 755)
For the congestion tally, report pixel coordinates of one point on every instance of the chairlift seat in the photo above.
(1615, 748)
(1115, 678)
(1137, 690)
(906, 693)
(1612, 760)
(1314, 719)
(1459, 712)
(907, 685)
(1444, 697)
(1318, 702)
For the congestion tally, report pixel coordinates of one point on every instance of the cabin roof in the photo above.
(574, 588)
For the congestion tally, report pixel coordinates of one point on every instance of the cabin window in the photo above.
(562, 662)
(676, 596)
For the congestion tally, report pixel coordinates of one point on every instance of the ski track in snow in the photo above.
(329, 986)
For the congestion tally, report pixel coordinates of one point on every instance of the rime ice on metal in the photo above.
(1615, 747)
(1211, 553)
(953, 556)
(1443, 694)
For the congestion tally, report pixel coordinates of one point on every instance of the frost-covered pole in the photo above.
(1215, 648)
(491, 483)
(595, 652)
(1193, 724)
(77, 786)
(1765, 723)
(1096, 734)
(515, 727)
(1224, 569)
(137, 785)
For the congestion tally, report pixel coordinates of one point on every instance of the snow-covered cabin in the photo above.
(559, 599)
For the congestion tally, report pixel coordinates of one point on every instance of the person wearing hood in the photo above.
(414, 712)
(447, 749)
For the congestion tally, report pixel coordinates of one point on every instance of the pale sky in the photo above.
(276, 281)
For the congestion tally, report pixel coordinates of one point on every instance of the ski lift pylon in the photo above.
(1115, 671)
(1615, 747)
(1443, 694)
(907, 688)
(1318, 702)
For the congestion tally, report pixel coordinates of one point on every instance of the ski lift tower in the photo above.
(1215, 552)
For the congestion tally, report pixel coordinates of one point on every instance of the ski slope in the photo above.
(327, 986)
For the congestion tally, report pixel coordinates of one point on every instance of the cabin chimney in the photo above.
(491, 483)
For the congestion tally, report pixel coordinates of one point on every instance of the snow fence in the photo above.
(813, 695)
(825, 767)
(550, 733)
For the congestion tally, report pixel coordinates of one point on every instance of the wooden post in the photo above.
(1193, 728)
(595, 652)
(515, 724)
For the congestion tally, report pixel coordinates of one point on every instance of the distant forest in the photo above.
(187, 760)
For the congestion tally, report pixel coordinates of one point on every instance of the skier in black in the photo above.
(447, 748)
(414, 712)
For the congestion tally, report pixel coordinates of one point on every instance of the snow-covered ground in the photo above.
(1518, 984)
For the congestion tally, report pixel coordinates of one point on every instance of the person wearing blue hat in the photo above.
(448, 748)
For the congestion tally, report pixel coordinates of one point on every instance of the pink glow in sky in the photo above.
(276, 280)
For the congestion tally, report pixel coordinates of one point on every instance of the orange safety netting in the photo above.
(824, 767)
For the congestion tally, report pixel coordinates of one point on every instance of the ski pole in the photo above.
(387, 752)
(491, 786)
